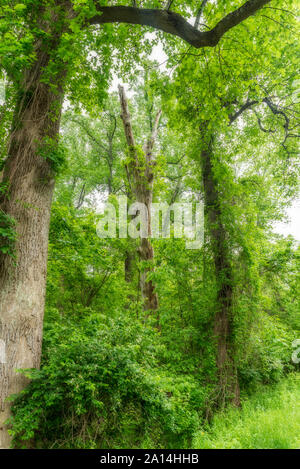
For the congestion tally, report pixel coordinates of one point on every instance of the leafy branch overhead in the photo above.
(175, 24)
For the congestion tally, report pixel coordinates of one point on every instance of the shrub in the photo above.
(100, 387)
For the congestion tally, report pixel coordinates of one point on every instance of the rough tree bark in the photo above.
(142, 175)
(28, 200)
(228, 389)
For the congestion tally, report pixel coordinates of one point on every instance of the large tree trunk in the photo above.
(28, 201)
(147, 286)
(228, 389)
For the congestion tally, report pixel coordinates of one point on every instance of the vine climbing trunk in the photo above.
(30, 182)
(228, 385)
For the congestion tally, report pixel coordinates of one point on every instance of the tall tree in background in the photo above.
(140, 174)
(212, 105)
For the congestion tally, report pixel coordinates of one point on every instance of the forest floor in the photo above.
(269, 419)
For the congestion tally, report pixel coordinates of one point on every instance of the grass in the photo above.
(269, 419)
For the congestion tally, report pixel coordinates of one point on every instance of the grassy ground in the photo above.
(270, 419)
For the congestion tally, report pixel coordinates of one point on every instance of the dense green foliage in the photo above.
(109, 379)
(112, 374)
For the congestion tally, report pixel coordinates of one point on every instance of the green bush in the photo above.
(267, 358)
(100, 387)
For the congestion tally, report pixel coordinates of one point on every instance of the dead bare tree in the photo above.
(140, 172)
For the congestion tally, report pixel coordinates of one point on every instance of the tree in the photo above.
(42, 36)
(140, 170)
(210, 102)
(226, 310)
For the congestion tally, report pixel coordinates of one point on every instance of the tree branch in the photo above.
(262, 128)
(199, 14)
(151, 141)
(276, 111)
(243, 108)
(169, 4)
(175, 24)
(176, 162)
(125, 116)
(89, 134)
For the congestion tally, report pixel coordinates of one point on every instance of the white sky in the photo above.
(292, 227)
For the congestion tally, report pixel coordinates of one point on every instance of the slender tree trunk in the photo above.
(30, 188)
(223, 323)
(129, 265)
